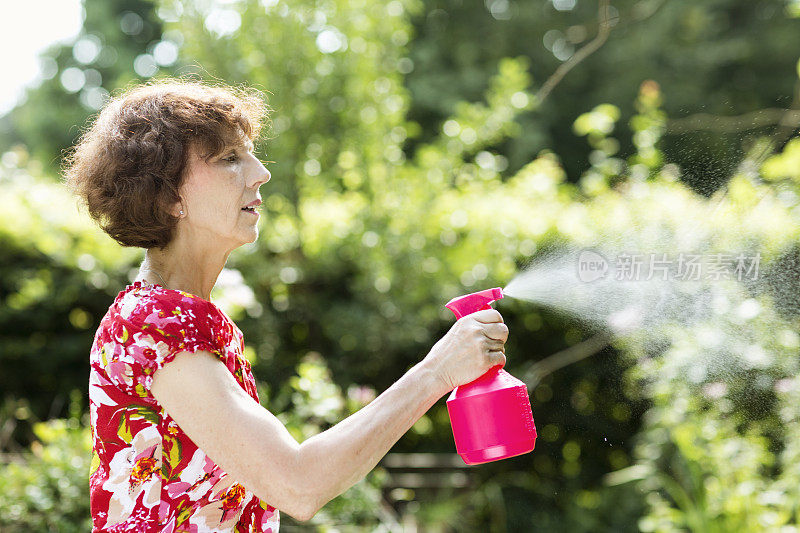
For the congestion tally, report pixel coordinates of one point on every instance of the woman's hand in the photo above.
(473, 345)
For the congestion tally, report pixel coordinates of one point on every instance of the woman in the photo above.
(180, 440)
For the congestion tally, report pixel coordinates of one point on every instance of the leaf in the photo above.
(95, 463)
(174, 453)
(183, 516)
(124, 431)
(143, 412)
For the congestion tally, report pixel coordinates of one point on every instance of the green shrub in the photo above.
(47, 487)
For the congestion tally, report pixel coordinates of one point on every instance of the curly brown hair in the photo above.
(129, 164)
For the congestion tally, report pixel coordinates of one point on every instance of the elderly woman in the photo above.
(180, 440)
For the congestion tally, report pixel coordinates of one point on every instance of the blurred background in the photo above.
(424, 149)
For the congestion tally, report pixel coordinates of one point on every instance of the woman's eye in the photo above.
(231, 158)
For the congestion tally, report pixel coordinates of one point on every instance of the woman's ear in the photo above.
(178, 210)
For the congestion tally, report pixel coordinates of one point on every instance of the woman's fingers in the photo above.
(473, 345)
(497, 358)
(493, 344)
(496, 331)
(487, 316)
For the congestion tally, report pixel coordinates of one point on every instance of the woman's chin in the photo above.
(242, 238)
(253, 236)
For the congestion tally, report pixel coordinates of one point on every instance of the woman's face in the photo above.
(220, 198)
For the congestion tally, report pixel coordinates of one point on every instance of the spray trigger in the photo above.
(468, 304)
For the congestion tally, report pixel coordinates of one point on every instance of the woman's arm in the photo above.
(252, 445)
(345, 453)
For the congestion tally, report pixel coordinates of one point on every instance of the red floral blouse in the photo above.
(146, 474)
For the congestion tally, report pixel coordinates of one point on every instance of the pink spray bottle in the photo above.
(491, 416)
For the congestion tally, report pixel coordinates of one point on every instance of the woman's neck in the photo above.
(189, 269)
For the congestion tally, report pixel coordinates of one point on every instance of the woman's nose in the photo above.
(262, 175)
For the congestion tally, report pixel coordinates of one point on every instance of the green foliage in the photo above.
(117, 35)
(47, 488)
(720, 58)
(409, 171)
(785, 165)
(716, 481)
(57, 277)
(310, 403)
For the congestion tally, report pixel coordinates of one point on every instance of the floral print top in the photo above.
(146, 474)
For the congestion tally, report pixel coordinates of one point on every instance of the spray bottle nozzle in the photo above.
(469, 303)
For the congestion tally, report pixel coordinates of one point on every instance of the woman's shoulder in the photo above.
(153, 306)
(140, 301)
(148, 325)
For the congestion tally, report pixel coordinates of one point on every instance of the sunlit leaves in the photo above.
(49, 490)
(599, 122)
(785, 164)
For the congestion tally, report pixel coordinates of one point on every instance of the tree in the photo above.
(366, 236)
(121, 41)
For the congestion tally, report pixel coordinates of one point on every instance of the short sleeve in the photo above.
(150, 330)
